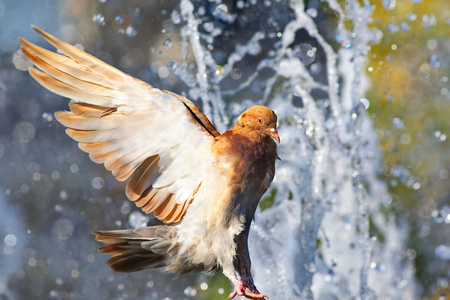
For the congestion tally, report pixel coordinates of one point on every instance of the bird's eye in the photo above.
(260, 121)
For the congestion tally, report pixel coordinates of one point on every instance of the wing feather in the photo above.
(84, 59)
(143, 178)
(159, 141)
(66, 90)
(89, 110)
(48, 61)
(165, 208)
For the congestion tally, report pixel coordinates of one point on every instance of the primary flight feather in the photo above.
(204, 186)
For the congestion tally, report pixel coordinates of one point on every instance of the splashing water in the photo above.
(325, 234)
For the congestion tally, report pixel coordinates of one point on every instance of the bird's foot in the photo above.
(246, 289)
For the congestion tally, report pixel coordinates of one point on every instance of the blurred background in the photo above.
(52, 196)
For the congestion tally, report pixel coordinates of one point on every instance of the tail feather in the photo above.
(137, 249)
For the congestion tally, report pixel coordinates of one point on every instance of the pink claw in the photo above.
(247, 290)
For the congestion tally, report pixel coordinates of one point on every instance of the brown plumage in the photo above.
(205, 186)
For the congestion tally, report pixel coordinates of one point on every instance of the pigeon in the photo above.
(203, 186)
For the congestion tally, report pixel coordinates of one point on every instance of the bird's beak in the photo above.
(274, 134)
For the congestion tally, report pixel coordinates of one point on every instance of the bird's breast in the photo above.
(249, 158)
(250, 165)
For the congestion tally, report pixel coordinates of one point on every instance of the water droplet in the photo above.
(236, 74)
(175, 17)
(32, 262)
(36, 176)
(221, 13)
(219, 70)
(428, 20)
(24, 188)
(443, 174)
(75, 273)
(377, 266)
(323, 103)
(20, 61)
(400, 172)
(119, 19)
(412, 17)
(365, 102)
(167, 43)
(90, 258)
(441, 137)
(10, 240)
(312, 12)
(130, 31)
(125, 208)
(208, 26)
(201, 11)
(315, 68)
(53, 293)
(389, 4)
(404, 26)
(434, 61)
(346, 44)
(441, 215)
(416, 185)
(24, 132)
(305, 53)
(432, 44)
(311, 267)
(190, 291)
(62, 229)
(55, 175)
(442, 252)
(99, 19)
(163, 72)
(47, 116)
(398, 123)
(74, 168)
(393, 28)
(411, 254)
(97, 183)
(63, 195)
(443, 296)
(137, 219)
(102, 1)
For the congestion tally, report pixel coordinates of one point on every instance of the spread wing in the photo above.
(151, 137)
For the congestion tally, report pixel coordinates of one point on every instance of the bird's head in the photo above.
(260, 119)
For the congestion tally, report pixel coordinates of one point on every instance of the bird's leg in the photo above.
(241, 277)
(245, 288)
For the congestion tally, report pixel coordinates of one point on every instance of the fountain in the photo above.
(324, 234)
